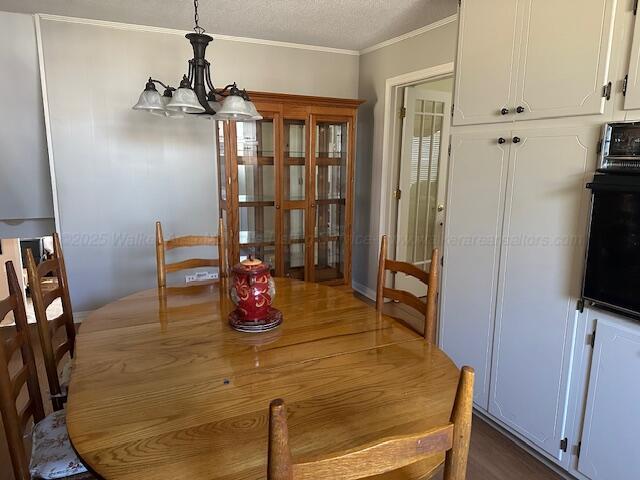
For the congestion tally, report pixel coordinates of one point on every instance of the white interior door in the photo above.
(422, 181)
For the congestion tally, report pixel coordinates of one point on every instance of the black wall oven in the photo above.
(612, 273)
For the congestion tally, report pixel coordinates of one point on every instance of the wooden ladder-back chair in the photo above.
(387, 455)
(189, 241)
(47, 328)
(51, 452)
(15, 420)
(430, 280)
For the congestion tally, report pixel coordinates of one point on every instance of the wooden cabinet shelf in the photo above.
(286, 185)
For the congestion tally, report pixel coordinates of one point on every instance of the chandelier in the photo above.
(196, 94)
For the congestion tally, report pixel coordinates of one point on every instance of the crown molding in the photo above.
(413, 33)
(171, 31)
(255, 41)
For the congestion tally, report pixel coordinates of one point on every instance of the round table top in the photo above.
(163, 388)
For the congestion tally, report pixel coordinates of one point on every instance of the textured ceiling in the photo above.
(350, 24)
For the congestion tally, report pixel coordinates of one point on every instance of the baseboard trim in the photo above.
(364, 290)
(78, 317)
(523, 445)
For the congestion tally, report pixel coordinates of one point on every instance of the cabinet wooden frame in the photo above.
(280, 108)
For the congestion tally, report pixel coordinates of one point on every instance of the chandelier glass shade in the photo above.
(196, 94)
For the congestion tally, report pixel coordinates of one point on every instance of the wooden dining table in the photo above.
(163, 388)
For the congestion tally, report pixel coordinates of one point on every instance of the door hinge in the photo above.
(624, 85)
(452, 107)
(397, 193)
(635, 7)
(449, 150)
(606, 91)
(592, 339)
(578, 448)
(403, 112)
(564, 443)
(580, 305)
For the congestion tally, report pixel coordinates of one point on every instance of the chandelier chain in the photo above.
(197, 28)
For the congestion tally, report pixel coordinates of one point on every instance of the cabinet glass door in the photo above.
(254, 142)
(294, 243)
(294, 196)
(331, 152)
(294, 174)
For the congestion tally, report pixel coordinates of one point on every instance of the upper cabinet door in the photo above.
(611, 423)
(485, 63)
(564, 57)
(477, 175)
(539, 280)
(632, 98)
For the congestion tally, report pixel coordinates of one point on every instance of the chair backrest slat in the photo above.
(409, 269)
(47, 327)
(191, 241)
(386, 455)
(430, 280)
(191, 263)
(163, 245)
(15, 418)
(47, 266)
(405, 297)
(378, 458)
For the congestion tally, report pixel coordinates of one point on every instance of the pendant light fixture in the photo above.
(196, 94)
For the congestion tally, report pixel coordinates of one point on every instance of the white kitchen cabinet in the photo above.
(539, 279)
(545, 58)
(564, 58)
(477, 178)
(485, 67)
(632, 96)
(609, 448)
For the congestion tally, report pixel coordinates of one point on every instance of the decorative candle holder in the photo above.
(252, 291)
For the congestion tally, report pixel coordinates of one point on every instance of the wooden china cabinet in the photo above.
(286, 185)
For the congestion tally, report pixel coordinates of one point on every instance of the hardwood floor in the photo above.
(492, 455)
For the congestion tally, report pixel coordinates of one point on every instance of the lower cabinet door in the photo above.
(539, 281)
(611, 433)
(477, 177)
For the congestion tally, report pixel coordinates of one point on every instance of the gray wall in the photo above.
(26, 206)
(434, 47)
(117, 170)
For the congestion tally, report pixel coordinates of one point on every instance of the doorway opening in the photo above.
(416, 166)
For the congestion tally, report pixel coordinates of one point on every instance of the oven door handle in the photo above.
(604, 187)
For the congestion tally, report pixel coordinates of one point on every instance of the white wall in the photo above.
(431, 48)
(117, 170)
(26, 207)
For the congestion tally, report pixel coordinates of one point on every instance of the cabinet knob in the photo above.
(501, 140)
(504, 111)
(516, 140)
(277, 207)
(520, 109)
(440, 207)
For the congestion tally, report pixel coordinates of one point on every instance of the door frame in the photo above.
(391, 139)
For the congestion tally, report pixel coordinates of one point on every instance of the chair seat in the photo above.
(422, 470)
(51, 453)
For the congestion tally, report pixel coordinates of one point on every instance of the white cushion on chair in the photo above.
(65, 377)
(51, 453)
